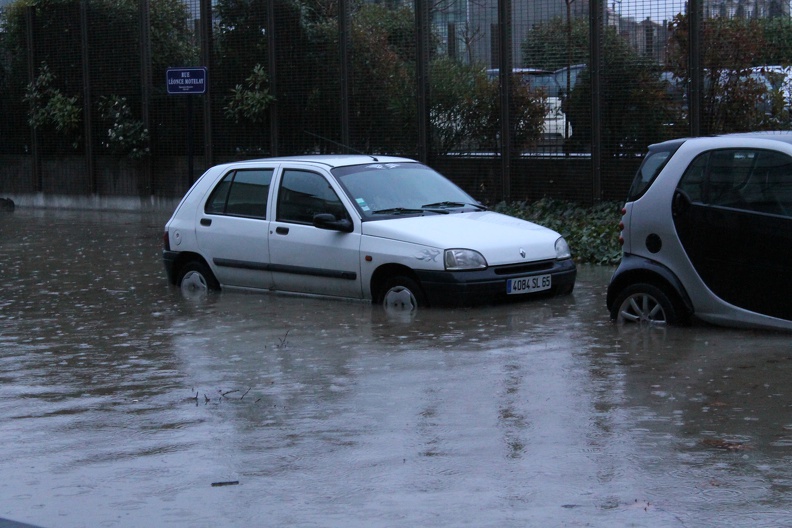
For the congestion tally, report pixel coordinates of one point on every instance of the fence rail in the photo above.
(513, 99)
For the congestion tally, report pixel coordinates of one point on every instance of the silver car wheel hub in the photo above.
(194, 284)
(400, 298)
(643, 309)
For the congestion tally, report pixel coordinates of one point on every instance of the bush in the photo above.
(592, 232)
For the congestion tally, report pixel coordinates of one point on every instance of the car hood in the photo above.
(500, 238)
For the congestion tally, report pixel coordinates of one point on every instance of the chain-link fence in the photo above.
(512, 99)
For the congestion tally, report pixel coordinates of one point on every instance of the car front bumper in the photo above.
(464, 288)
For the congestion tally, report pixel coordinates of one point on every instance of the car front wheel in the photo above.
(645, 304)
(401, 294)
(196, 279)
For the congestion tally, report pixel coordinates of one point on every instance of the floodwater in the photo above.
(123, 404)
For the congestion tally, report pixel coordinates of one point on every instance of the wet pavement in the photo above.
(125, 404)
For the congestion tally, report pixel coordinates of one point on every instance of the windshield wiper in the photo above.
(455, 204)
(405, 210)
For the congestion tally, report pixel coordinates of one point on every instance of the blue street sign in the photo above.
(186, 81)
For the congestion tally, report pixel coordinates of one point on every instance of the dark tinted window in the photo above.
(692, 182)
(217, 201)
(303, 195)
(241, 193)
(651, 166)
(745, 179)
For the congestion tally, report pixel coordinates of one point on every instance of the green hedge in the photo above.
(592, 232)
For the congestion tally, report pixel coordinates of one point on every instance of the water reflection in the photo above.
(130, 401)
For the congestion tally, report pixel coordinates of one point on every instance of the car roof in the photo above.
(784, 136)
(335, 160)
(537, 71)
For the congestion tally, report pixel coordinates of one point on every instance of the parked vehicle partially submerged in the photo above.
(385, 229)
(555, 126)
(707, 233)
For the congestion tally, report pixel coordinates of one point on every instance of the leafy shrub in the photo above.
(251, 101)
(126, 136)
(592, 232)
(50, 109)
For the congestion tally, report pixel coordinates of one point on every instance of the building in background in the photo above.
(745, 8)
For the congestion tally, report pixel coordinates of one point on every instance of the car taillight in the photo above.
(166, 241)
(621, 227)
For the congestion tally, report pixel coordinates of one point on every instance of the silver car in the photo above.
(707, 234)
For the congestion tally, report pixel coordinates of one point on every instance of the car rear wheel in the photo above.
(401, 294)
(196, 279)
(645, 304)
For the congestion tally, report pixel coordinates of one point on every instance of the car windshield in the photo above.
(383, 189)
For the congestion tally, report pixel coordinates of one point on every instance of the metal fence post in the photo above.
(146, 186)
(694, 67)
(595, 31)
(343, 46)
(206, 60)
(87, 101)
(422, 30)
(30, 22)
(505, 74)
(273, 79)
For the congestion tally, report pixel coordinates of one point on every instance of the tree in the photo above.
(546, 45)
(50, 111)
(777, 49)
(249, 102)
(242, 50)
(736, 95)
(636, 108)
(58, 49)
(111, 25)
(126, 136)
(465, 109)
(382, 112)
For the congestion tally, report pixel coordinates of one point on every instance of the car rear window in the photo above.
(651, 166)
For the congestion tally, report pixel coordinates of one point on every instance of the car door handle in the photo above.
(206, 222)
(680, 203)
(282, 230)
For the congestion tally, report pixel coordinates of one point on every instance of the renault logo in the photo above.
(522, 252)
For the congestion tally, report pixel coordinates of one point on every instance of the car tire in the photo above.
(646, 304)
(401, 293)
(196, 279)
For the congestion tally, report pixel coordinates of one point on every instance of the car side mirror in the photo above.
(329, 221)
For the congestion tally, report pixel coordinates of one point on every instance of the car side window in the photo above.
(241, 193)
(692, 182)
(304, 194)
(769, 188)
(749, 180)
(727, 172)
(217, 201)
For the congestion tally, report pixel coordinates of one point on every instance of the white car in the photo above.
(555, 122)
(378, 228)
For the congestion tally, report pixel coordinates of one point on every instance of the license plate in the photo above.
(528, 284)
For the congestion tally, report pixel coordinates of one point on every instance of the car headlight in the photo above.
(562, 249)
(464, 259)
